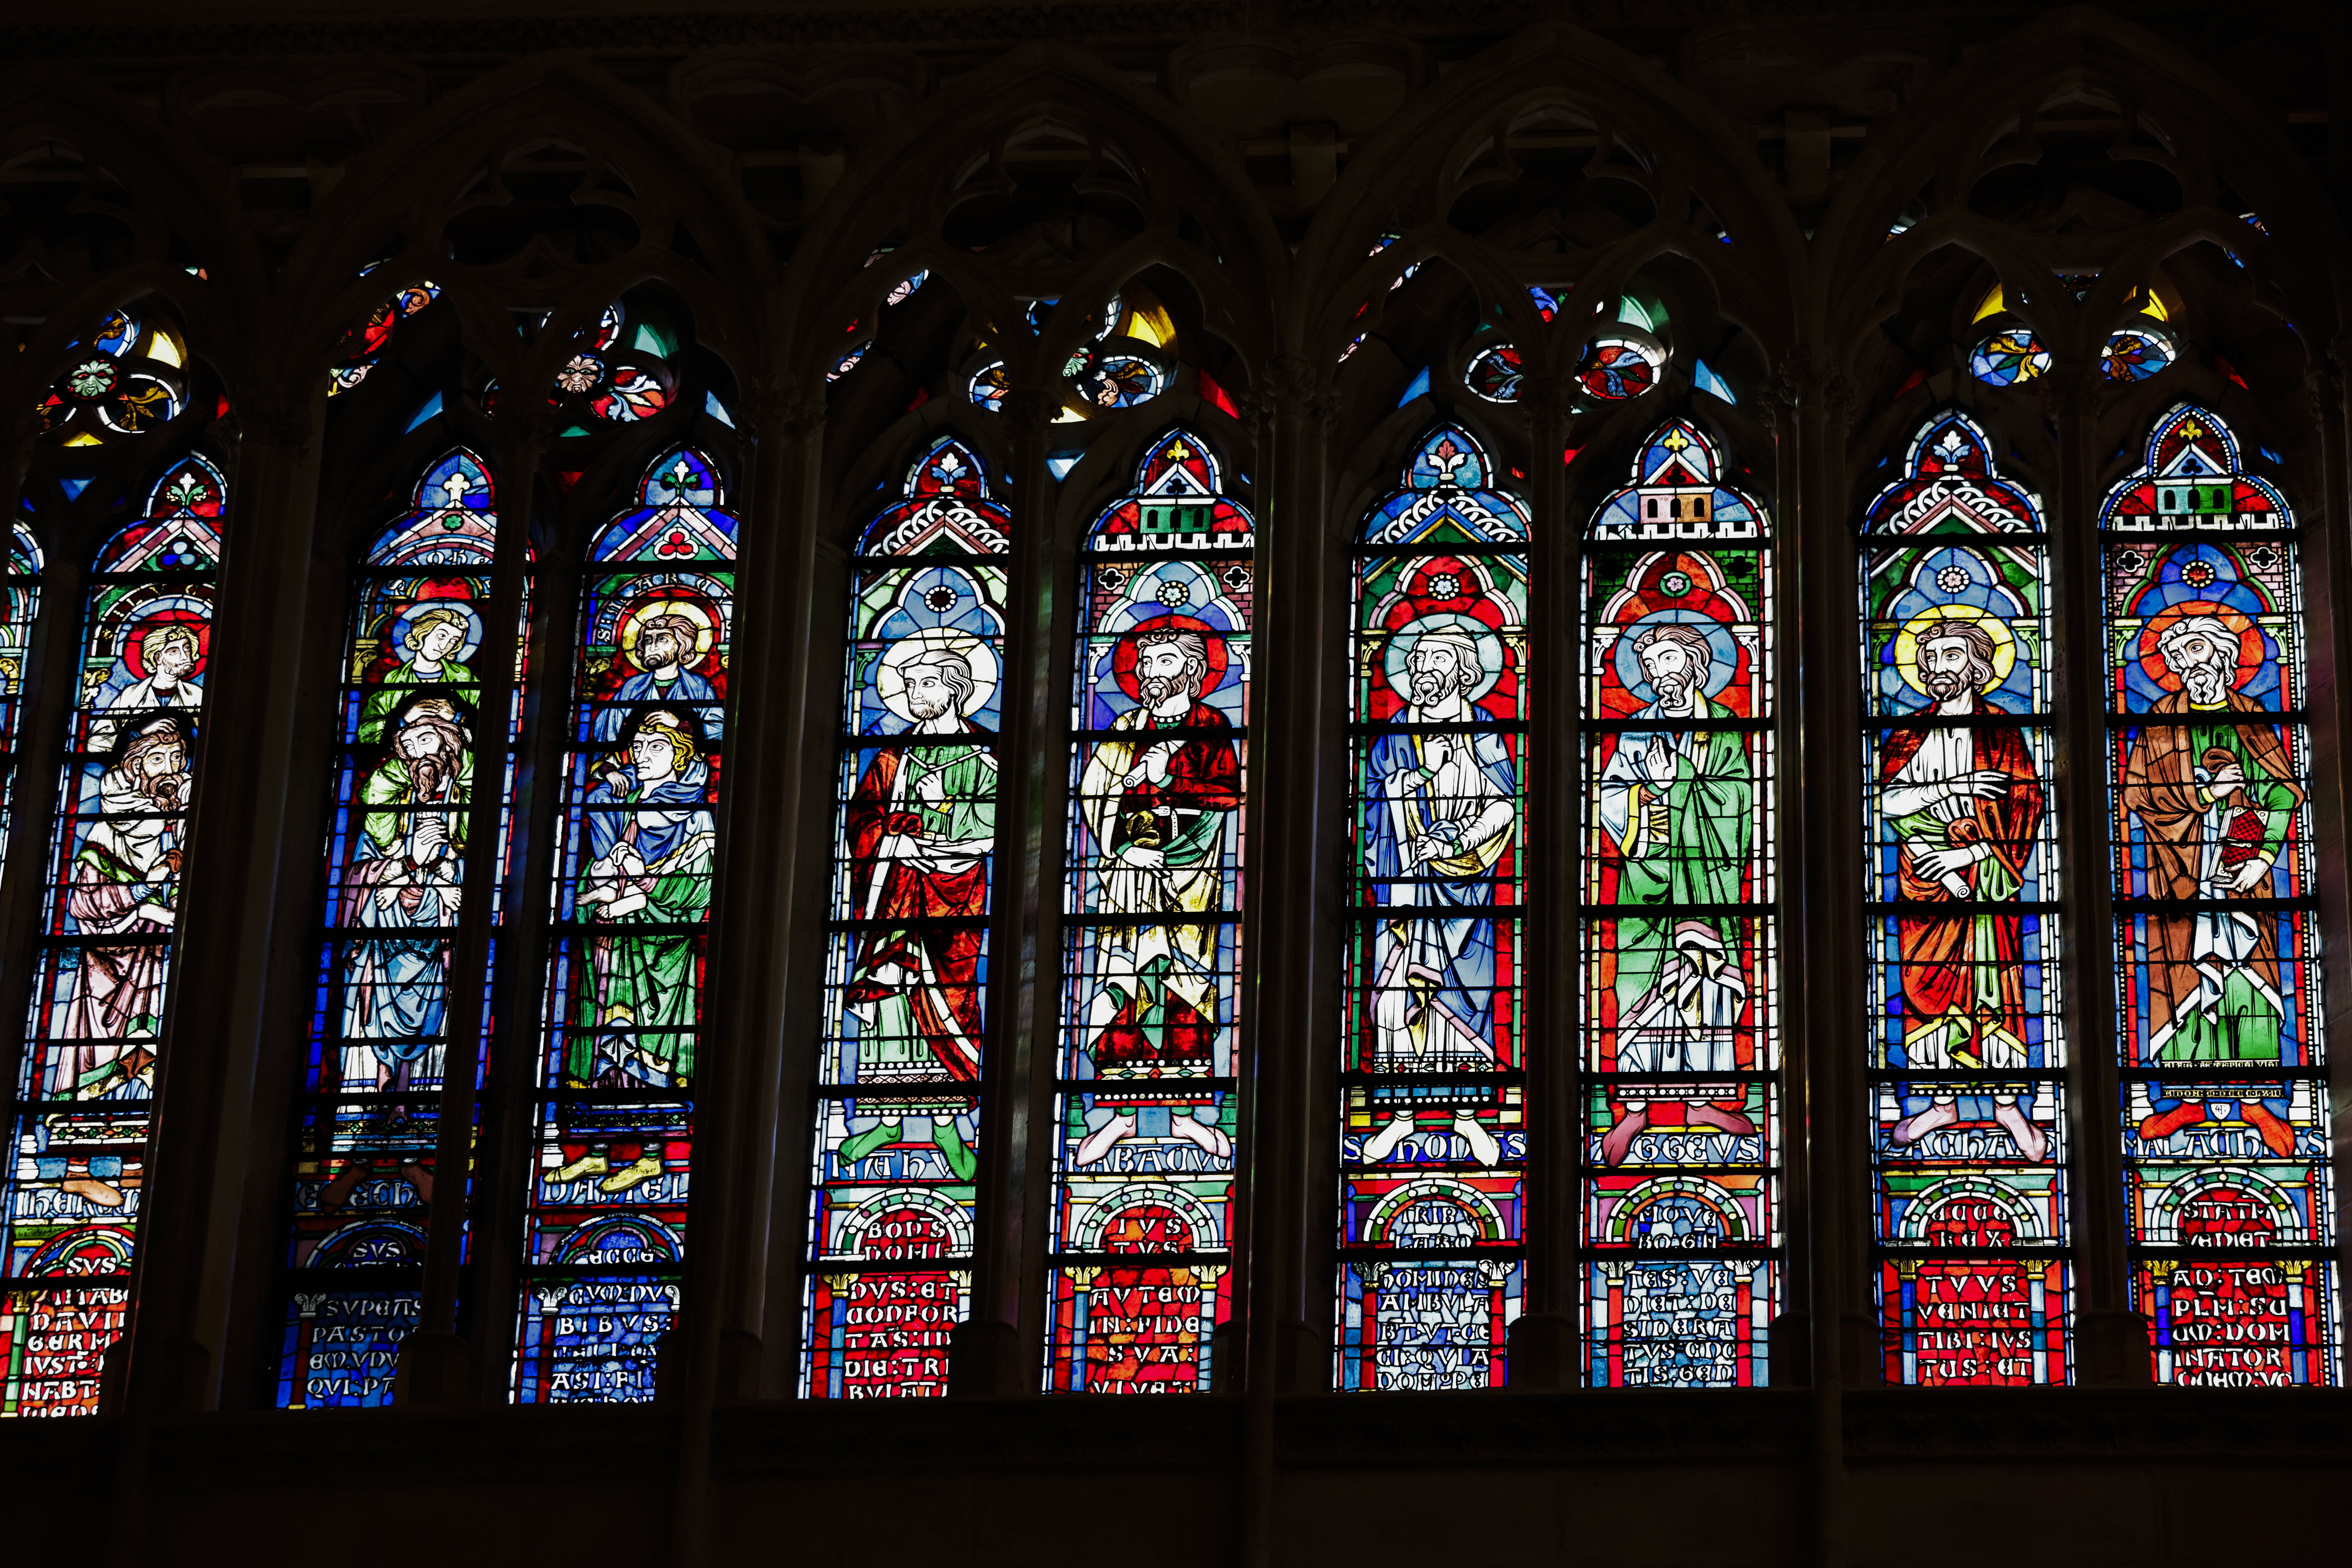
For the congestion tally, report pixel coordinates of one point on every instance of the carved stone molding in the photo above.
(904, 26)
(1296, 384)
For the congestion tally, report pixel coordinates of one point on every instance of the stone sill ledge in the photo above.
(1313, 1432)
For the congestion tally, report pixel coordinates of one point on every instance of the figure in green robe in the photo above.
(647, 888)
(432, 643)
(2214, 799)
(1675, 803)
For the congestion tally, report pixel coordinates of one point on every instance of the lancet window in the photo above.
(1681, 1191)
(1432, 1202)
(1967, 1052)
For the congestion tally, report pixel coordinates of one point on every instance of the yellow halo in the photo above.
(704, 633)
(1906, 642)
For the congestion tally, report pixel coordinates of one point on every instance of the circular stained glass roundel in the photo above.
(2137, 352)
(1494, 374)
(1617, 368)
(2008, 358)
(990, 384)
(1118, 381)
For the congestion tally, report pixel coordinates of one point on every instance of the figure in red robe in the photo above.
(1963, 803)
(920, 826)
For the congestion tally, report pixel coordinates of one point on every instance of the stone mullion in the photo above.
(803, 585)
(507, 1152)
(1287, 848)
(739, 1125)
(1802, 1285)
(1289, 945)
(1824, 931)
(237, 901)
(2327, 602)
(433, 1359)
(2110, 1343)
(48, 699)
(998, 1350)
(1543, 1343)
(715, 1356)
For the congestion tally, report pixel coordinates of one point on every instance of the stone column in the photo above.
(2328, 600)
(438, 1367)
(2110, 1342)
(244, 866)
(506, 1150)
(996, 1352)
(1543, 1352)
(1823, 933)
(1289, 981)
(715, 1356)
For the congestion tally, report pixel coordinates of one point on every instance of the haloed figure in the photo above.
(2215, 796)
(1156, 811)
(920, 826)
(666, 646)
(1439, 813)
(651, 837)
(1675, 803)
(1963, 802)
(170, 653)
(125, 886)
(429, 650)
(404, 889)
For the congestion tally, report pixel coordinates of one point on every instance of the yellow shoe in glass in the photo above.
(645, 1168)
(591, 1164)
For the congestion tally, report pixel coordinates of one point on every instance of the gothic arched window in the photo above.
(365, 344)
(417, 751)
(518, 859)
(20, 608)
(1434, 1137)
(606, 1220)
(2221, 1037)
(103, 977)
(1147, 1117)
(1967, 1050)
(1681, 961)
(898, 1073)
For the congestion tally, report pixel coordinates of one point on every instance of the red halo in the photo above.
(134, 638)
(2250, 640)
(1122, 658)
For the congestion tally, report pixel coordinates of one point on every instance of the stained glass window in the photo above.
(365, 344)
(2225, 1114)
(605, 1224)
(1433, 1140)
(898, 1103)
(620, 373)
(85, 1096)
(128, 377)
(1145, 1114)
(20, 606)
(401, 1003)
(1966, 1053)
(1680, 944)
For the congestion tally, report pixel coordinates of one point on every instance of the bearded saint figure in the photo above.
(404, 887)
(921, 825)
(1963, 802)
(1439, 811)
(125, 884)
(664, 647)
(1675, 804)
(2215, 796)
(1156, 811)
